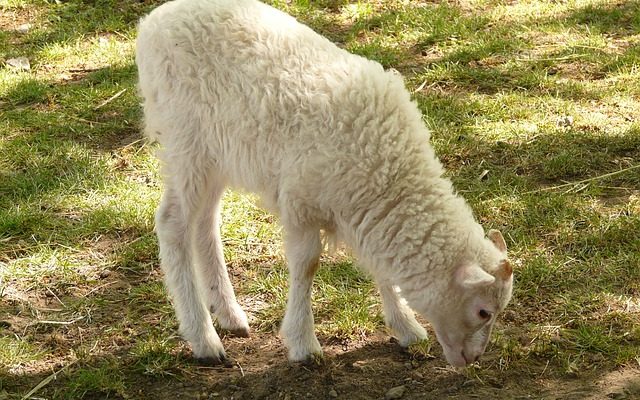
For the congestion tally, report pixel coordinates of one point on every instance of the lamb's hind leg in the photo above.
(303, 247)
(210, 259)
(174, 222)
(399, 317)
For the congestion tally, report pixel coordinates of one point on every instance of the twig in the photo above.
(94, 346)
(545, 368)
(57, 298)
(569, 57)
(617, 188)
(447, 369)
(85, 69)
(582, 46)
(85, 120)
(578, 187)
(48, 309)
(99, 287)
(241, 370)
(110, 99)
(419, 88)
(60, 322)
(46, 381)
(132, 143)
(584, 180)
(123, 36)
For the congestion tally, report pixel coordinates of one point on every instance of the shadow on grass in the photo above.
(376, 367)
(76, 108)
(556, 157)
(552, 154)
(490, 57)
(618, 18)
(362, 373)
(60, 132)
(62, 23)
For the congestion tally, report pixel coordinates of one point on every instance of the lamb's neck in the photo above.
(421, 223)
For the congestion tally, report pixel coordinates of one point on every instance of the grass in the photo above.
(522, 98)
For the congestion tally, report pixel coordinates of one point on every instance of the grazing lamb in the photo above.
(240, 94)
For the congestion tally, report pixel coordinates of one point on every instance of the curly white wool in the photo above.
(240, 94)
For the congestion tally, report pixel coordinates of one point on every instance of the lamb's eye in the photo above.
(484, 314)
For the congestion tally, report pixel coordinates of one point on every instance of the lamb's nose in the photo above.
(464, 356)
(468, 360)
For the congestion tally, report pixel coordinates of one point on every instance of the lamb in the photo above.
(240, 94)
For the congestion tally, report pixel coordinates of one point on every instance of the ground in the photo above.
(533, 108)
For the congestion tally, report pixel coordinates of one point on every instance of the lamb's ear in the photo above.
(497, 239)
(505, 270)
(471, 275)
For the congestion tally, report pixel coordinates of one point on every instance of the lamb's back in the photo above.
(281, 109)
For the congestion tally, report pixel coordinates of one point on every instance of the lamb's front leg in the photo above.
(303, 249)
(399, 317)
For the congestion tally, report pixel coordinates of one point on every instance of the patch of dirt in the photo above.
(17, 22)
(12, 19)
(579, 71)
(364, 370)
(368, 370)
(258, 368)
(631, 199)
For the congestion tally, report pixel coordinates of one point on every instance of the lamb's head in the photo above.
(466, 305)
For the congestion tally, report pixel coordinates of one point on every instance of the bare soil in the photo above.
(258, 368)
(369, 369)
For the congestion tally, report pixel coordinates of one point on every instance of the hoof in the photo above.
(241, 332)
(410, 338)
(235, 332)
(214, 361)
(313, 360)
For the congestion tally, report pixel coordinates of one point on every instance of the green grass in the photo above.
(344, 300)
(524, 99)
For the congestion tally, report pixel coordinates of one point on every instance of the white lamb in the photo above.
(240, 94)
